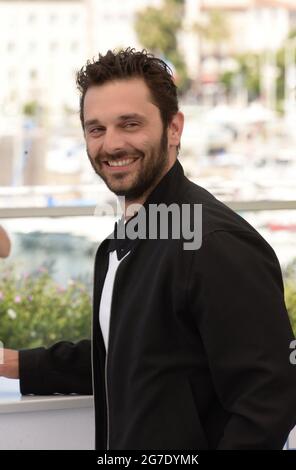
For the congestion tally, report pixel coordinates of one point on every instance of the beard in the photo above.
(152, 164)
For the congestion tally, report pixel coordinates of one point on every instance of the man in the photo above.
(190, 347)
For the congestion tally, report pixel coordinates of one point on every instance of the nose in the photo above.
(113, 141)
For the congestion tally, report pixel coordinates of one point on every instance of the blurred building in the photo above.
(218, 30)
(42, 44)
(111, 23)
(33, 158)
(7, 152)
(254, 24)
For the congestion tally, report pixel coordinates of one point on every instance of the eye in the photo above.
(95, 130)
(131, 124)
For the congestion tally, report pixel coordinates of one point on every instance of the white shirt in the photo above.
(106, 297)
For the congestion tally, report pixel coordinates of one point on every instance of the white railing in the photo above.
(78, 211)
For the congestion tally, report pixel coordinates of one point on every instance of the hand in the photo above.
(5, 244)
(9, 363)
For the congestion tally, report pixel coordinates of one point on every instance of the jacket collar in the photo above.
(166, 192)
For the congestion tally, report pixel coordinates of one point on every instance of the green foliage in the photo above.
(35, 311)
(247, 74)
(30, 108)
(216, 29)
(157, 30)
(290, 292)
(290, 298)
(280, 62)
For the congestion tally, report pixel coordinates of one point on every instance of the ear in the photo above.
(175, 129)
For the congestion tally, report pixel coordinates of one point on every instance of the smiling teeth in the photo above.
(122, 162)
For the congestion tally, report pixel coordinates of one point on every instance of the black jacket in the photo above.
(198, 354)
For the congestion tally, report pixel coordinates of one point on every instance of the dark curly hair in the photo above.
(129, 63)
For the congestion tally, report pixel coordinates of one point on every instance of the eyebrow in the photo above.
(123, 117)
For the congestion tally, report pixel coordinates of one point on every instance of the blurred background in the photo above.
(234, 62)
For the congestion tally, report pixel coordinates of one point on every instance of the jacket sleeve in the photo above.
(245, 329)
(63, 368)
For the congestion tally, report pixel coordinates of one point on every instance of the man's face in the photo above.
(126, 143)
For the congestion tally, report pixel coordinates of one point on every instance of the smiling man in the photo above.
(130, 144)
(190, 348)
(127, 146)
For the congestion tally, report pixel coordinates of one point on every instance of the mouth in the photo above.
(120, 164)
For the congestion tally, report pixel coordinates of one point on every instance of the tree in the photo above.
(31, 108)
(214, 29)
(157, 30)
(247, 75)
(248, 72)
(290, 292)
(280, 61)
